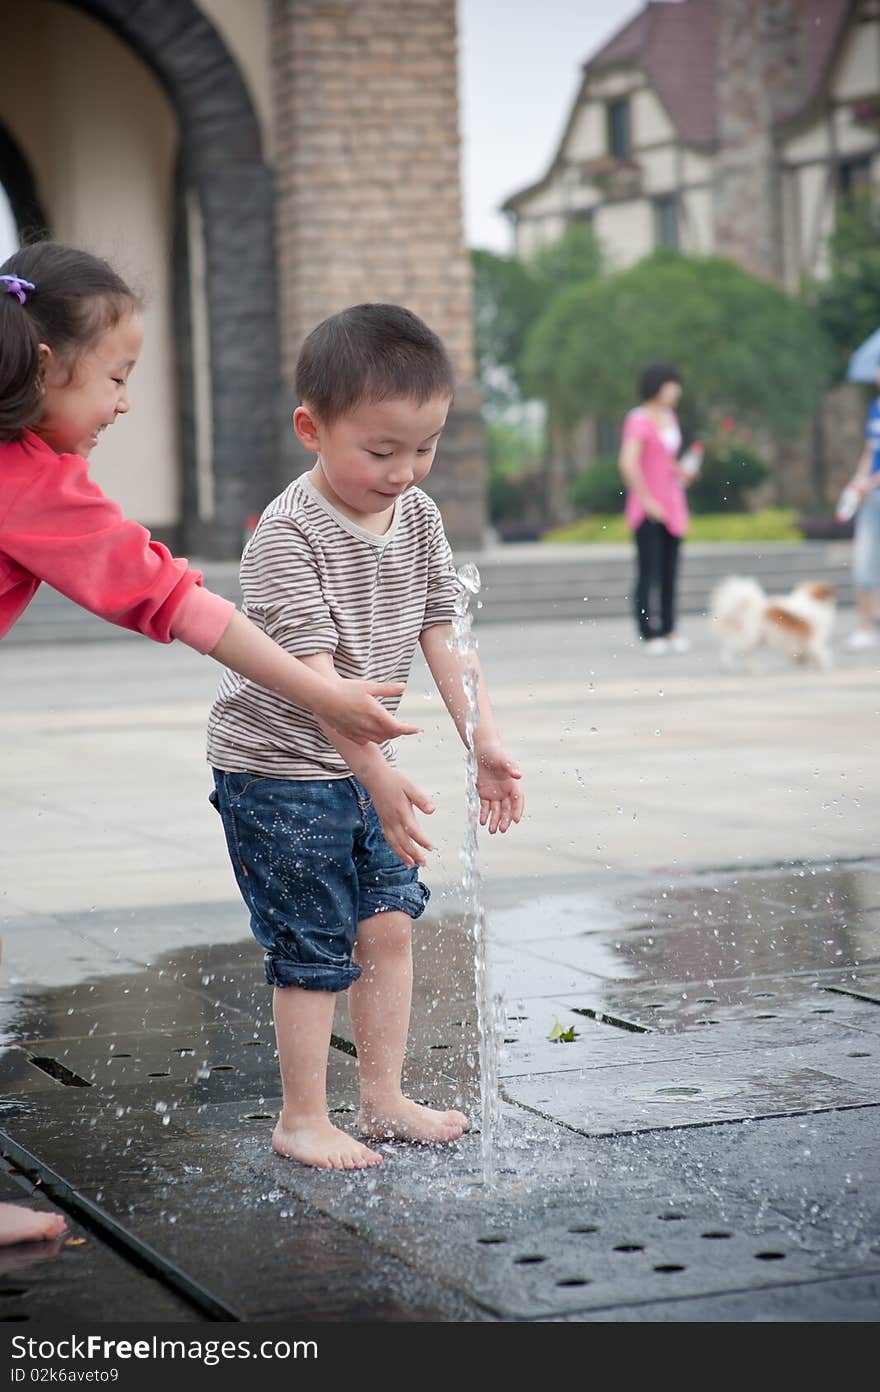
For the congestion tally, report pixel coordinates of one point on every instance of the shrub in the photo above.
(731, 465)
(599, 488)
(771, 524)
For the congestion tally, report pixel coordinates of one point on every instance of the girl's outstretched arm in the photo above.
(59, 527)
(351, 707)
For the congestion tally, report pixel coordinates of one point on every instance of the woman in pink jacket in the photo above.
(656, 506)
(70, 335)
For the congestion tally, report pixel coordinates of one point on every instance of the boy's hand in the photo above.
(351, 708)
(501, 799)
(395, 798)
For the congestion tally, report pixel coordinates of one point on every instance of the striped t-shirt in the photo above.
(317, 582)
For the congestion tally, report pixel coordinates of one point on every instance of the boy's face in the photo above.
(375, 452)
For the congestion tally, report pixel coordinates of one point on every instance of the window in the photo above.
(617, 113)
(584, 216)
(854, 176)
(666, 221)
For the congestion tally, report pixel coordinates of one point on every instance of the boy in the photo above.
(348, 569)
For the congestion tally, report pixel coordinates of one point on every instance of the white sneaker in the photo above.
(861, 638)
(657, 646)
(679, 644)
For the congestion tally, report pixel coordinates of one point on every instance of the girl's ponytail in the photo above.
(74, 298)
(20, 390)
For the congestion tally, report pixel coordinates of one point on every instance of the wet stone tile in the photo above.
(516, 973)
(207, 1194)
(528, 1250)
(573, 1225)
(743, 1005)
(642, 1096)
(691, 945)
(76, 1277)
(850, 1299)
(562, 914)
(106, 1006)
(18, 1075)
(843, 890)
(600, 1044)
(187, 1065)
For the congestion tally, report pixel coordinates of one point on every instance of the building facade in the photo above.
(726, 127)
(252, 168)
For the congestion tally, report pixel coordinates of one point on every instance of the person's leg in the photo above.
(647, 538)
(669, 549)
(866, 570)
(380, 1002)
(290, 844)
(304, 1131)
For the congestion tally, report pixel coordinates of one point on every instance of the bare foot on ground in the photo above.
(27, 1225)
(321, 1144)
(401, 1119)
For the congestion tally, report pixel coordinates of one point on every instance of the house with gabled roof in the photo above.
(717, 126)
(724, 127)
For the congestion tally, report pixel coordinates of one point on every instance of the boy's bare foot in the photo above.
(401, 1119)
(27, 1225)
(319, 1143)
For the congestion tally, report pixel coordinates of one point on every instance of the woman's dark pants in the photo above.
(657, 552)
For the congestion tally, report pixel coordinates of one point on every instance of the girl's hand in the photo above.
(351, 708)
(395, 799)
(501, 799)
(654, 509)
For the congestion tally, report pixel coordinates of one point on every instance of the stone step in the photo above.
(527, 582)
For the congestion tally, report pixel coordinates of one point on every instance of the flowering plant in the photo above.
(731, 466)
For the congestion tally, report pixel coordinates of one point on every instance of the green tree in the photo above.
(507, 301)
(575, 258)
(510, 295)
(744, 348)
(848, 301)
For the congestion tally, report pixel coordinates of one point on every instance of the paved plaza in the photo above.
(692, 898)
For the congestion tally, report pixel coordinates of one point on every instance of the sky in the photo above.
(520, 67)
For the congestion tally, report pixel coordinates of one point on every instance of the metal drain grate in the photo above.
(59, 1071)
(588, 1265)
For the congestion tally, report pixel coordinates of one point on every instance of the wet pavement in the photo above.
(693, 901)
(704, 1146)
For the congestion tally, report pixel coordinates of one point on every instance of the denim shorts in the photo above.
(311, 862)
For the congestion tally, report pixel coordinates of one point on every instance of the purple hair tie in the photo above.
(14, 285)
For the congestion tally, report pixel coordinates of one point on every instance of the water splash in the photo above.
(489, 1008)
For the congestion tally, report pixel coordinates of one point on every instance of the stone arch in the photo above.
(221, 168)
(20, 187)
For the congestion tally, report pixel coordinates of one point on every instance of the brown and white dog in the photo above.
(797, 624)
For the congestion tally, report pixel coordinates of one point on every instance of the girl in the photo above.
(70, 335)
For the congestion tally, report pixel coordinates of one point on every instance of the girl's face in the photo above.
(82, 399)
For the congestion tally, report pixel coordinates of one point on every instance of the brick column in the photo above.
(760, 72)
(369, 198)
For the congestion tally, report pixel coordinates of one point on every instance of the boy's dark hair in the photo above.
(370, 352)
(76, 297)
(655, 376)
